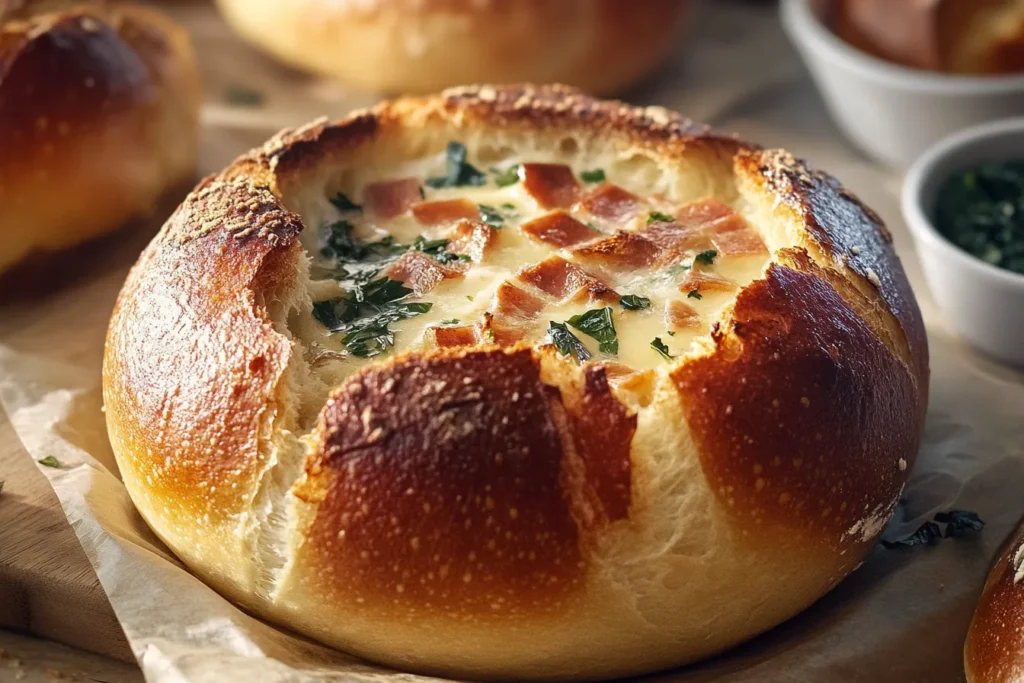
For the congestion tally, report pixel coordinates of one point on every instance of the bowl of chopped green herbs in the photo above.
(964, 203)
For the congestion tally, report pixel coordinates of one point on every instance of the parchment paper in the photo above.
(901, 617)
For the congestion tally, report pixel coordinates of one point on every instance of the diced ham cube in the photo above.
(392, 197)
(516, 303)
(559, 229)
(744, 242)
(447, 337)
(622, 251)
(701, 281)
(680, 316)
(472, 239)
(444, 211)
(553, 186)
(676, 236)
(711, 215)
(419, 272)
(612, 203)
(562, 280)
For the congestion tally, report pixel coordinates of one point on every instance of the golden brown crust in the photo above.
(795, 378)
(402, 46)
(99, 106)
(353, 523)
(994, 651)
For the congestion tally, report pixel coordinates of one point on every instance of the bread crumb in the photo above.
(873, 278)
(903, 465)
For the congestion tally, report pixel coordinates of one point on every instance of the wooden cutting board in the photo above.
(47, 586)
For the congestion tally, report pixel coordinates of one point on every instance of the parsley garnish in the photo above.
(658, 217)
(510, 176)
(597, 323)
(508, 206)
(958, 523)
(458, 172)
(437, 249)
(491, 216)
(634, 302)
(594, 176)
(707, 257)
(50, 461)
(343, 203)
(694, 294)
(453, 321)
(365, 315)
(243, 96)
(566, 342)
(661, 348)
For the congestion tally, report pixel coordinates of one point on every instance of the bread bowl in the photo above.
(958, 36)
(994, 651)
(411, 46)
(466, 497)
(99, 111)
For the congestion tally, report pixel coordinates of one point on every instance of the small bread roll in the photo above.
(958, 36)
(411, 46)
(994, 651)
(98, 117)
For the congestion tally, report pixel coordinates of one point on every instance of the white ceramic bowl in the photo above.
(893, 113)
(985, 304)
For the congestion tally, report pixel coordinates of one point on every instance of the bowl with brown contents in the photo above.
(899, 75)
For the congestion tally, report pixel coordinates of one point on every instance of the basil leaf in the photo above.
(566, 342)
(458, 172)
(634, 302)
(706, 257)
(343, 203)
(960, 522)
(491, 216)
(661, 348)
(510, 176)
(598, 323)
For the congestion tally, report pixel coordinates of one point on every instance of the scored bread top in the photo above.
(485, 472)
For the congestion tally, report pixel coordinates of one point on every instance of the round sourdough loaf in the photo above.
(99, 108)
(417, 46)
(474, 502)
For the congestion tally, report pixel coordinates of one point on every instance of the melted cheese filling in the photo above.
(468, 297)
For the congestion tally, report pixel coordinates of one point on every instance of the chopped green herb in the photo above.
(366, 314)
(343, 203)
(981, 210)
(671, 334)
(566, 342)
(458, 172)
(661, 348)
(960, 522)
(1, 485)
(436, 248)
(593, 227)
(469, 296)
(694, 294)
(598, 323)
(707, 257)
(509, 176)
(508, 206)
(594, 176)
(658, 217)
(453, 321)
(50, 461)
(926, 534)
(634, 302)
(491, 216)
(243, 96)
